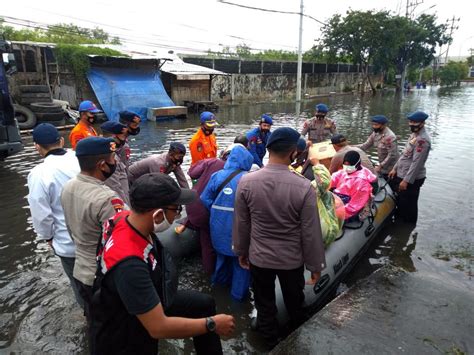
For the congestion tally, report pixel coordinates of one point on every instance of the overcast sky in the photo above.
(207, 24)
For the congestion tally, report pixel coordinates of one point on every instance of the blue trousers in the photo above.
(229, 272)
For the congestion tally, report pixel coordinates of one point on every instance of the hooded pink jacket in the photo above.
(356, 185)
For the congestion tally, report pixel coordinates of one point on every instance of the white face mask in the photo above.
(162, 226)
(350, 168)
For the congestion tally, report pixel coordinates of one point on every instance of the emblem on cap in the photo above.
(113, 146)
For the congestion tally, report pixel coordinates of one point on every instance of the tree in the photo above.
(358, 36)
(452, 73)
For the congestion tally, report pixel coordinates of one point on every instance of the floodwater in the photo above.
(37, 310)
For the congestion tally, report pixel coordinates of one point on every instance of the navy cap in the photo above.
(338, 138)
(46, 133)
(88, 106)
(417, 116)
(95, 146)
(322, 108)
(155, 190)
(129, 116)
(113, 127)
(380, 119)
(283, 135)
(176, 146)
(266, 119)
(301, 145)
(209, 119)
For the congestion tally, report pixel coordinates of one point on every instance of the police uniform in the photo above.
(410, 167)
(87, 202)
(126, 118)
(258, 141)
(319, 130)
(386, 144)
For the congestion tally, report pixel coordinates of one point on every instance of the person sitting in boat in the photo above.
(218, 197)
(353, 185)
(330, 206)
(302, 155)
(165, 163)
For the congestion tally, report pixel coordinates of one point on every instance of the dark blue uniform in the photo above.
(257, 145)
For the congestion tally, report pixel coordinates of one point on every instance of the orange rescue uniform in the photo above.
(82, 130)
(202, 146)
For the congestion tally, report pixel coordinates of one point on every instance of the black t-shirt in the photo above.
(133, 284)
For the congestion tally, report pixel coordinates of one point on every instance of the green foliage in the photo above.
(75, 57)
(470, 60)
(59, 33)
(452, 73)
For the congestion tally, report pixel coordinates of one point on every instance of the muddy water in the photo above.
(37, 311)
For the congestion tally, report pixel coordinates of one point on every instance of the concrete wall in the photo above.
(264, 87)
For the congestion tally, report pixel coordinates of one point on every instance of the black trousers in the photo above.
(193, 304)
(263, 283)
(407, 200)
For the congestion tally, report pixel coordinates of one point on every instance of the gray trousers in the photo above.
(68, 266)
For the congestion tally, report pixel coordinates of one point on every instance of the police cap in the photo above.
(380, 119)
(177, 147)
(283, 135)
(266, 119)
(45, 133)
(113, 127)
(417, 116)
(322, 108)
(129, 116)
(95, 146)
(338, 138)
(301, 145)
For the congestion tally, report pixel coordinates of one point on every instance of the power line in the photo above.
(271, 10)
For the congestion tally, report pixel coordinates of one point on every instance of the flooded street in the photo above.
(37, 309)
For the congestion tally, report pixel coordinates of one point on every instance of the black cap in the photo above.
(46, 133)
(283, 135)
(155, 190)
(338, 138)
(95, 146)
(128, 117)
(177, 147)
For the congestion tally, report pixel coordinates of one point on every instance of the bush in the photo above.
(452, 73)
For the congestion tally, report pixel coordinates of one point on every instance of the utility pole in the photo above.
(451, 30)
(300, 56)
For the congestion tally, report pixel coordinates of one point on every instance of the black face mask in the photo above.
(415, 128)
(320, 117)
(111, 171)
(264, 131)
(91, 120)
(377, 130)
(207, 132)
(133, 131)
(119, 142)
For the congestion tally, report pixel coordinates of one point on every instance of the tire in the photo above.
(34, 88)
(54, 123)
(50, 116)
(28, 118)
(35, 94)
(46, 107)
(31, 100)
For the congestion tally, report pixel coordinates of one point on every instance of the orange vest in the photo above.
(82, 130)
(202, 146)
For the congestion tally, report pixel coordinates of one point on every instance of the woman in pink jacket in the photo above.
(353, 184)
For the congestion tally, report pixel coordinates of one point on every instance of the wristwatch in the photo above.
(210, 324)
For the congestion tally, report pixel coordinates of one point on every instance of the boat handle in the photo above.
(321, 284)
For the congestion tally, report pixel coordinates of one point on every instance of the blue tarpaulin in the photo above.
(128, 89)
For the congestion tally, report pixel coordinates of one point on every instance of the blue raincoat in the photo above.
(258, 144)
(221, 207)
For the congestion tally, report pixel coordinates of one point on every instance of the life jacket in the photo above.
(110, 319)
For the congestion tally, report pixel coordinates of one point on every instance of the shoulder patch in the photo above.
(297, 173)
(117, 203)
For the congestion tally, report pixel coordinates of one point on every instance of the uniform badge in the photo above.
(113, 146)
(118, 204)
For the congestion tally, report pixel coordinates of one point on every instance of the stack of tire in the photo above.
(37, 107)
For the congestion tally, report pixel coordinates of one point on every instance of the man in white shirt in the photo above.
(45, 184)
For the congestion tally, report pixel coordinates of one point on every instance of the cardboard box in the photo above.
(323, 151)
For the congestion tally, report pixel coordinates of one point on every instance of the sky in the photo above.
(199, 25)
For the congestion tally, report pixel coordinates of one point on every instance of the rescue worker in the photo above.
(409, 173)
(218, 197)
(386, 143)
(134, 304)
(353, 185)
(319, 128)
(84, 127)
(258, 138)
(203, 144)
(166, 163)
(118, 182)
(87, 202)
(341, 146)
(132, 121)
(45, 183)
(276, 232)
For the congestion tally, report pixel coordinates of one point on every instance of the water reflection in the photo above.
(37, 311)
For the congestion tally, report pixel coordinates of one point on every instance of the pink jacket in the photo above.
(356, 185)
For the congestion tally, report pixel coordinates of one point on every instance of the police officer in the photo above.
(119, 179)
(87, 202)
(385, 141)
(258, 138)
(132, 121)
(319, 128)
(409, 173)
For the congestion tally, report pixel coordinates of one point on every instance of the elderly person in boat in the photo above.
(353, 185)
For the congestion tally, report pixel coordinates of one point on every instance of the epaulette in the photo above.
(296, 173)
